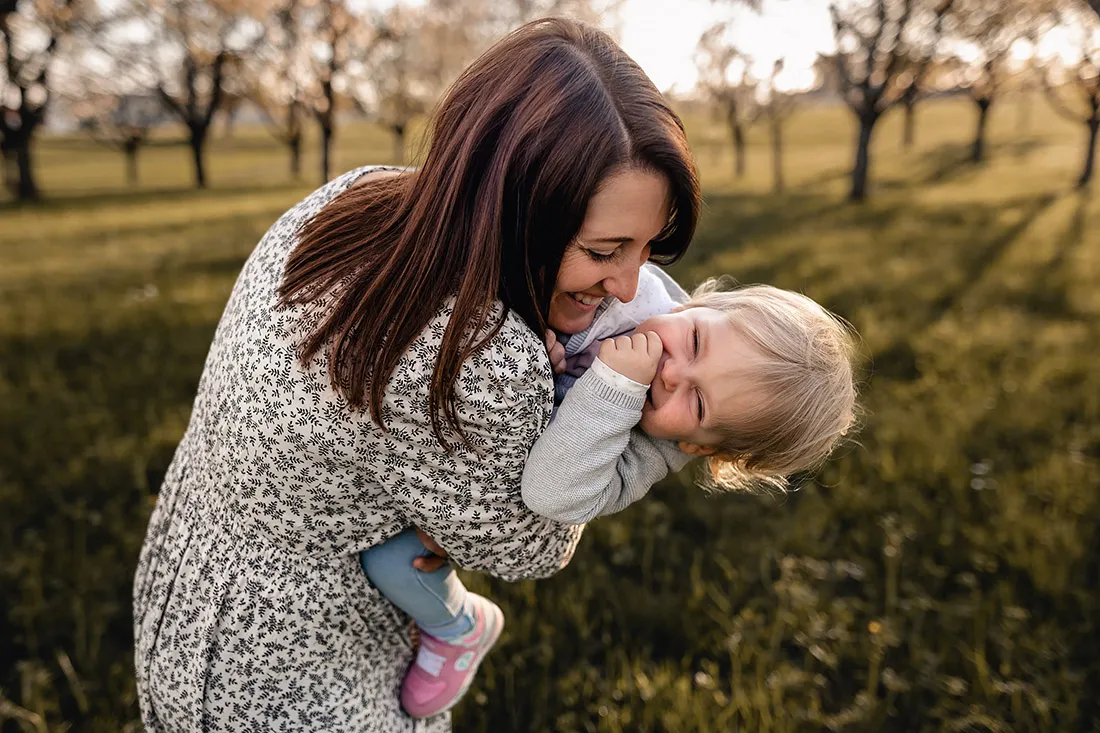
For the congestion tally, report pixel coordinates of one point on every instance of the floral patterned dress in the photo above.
(251, 612)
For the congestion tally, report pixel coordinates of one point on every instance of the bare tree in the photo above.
(333, 29)
(1083, 82)
(31, 38)
(111, 100)
(278, 75)
(503, 16)
(991, 27)
(480, 23)
(121, 122)
(776, 107)
(875, 41)
(918, 77)
(194, 46)
(398, 76)
(1027, 79)
(724, 76)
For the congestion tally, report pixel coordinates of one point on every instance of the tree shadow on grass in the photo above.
(1050, 295)
(177, 194)
(988, 254)
(951, 160)
(910, 262)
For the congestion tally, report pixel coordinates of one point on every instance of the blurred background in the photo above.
(921, 167)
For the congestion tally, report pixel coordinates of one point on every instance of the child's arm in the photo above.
(591, 461)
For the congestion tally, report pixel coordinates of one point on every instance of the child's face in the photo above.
(701, 377)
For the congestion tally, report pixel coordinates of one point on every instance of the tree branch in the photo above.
(216, 91)
(171, 103)
(1057, 103)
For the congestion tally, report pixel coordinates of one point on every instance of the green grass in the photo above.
(939, 574)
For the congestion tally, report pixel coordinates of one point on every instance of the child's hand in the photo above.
(635, 357)
(555, 351)
(433, 562)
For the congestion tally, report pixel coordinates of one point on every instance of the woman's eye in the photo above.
(694, 340)
(699, 406)
(602, 256)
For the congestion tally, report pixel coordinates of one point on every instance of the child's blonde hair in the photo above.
(805, 373)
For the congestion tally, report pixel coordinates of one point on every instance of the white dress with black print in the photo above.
(251, 612)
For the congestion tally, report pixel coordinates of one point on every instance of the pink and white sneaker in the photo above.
(444, 670)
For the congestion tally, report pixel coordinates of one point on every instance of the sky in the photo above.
(661, 36)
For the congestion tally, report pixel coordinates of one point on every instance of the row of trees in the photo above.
(894, 53)
(122, 65)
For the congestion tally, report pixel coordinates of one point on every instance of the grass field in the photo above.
(940, 574)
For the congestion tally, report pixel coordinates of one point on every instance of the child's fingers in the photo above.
(557, 358)
(654, 346)
(551, 339)
(429, 564)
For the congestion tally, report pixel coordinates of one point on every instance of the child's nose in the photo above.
(669, 370)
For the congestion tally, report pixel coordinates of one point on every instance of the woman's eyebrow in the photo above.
(612, 240)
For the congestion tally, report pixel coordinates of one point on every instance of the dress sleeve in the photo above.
(468, 498)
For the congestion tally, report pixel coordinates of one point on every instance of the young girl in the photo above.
(757, 380)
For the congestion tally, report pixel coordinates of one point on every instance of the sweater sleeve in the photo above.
(592, 461)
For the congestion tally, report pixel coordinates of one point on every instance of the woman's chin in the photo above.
(570, 323)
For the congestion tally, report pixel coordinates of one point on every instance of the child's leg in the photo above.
(459, 627)
(437, 601)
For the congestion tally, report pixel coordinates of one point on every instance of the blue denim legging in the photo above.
(437, 601)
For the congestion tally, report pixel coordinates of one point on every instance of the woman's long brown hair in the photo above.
(519, 146)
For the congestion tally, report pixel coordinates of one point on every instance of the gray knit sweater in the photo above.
(592, 460)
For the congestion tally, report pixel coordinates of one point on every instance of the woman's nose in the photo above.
(624, 283)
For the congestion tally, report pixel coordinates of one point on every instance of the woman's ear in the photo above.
(697, 450)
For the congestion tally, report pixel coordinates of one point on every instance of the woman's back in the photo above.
(277, 485)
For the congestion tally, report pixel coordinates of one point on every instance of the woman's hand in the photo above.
(429, 564)
(555, 351)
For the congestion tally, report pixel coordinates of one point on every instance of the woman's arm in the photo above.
(590, 461)
(469, 499)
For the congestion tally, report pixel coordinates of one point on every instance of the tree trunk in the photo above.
(326, 150)
(131, 150)
(230, 118)
(738, 149)
(26, 189)
(777, 154)
(295, 144)
(9, 173)
(1023, 115)
(198, 145)
(1090, 153)
(909, 134)
(861, 169)
(977, 154)
(399, 144)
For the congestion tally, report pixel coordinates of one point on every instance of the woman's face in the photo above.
(629, 210)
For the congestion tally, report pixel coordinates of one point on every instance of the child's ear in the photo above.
(697, 450)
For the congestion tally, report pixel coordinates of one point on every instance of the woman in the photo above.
(380, 365)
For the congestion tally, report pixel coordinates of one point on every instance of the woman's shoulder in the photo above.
(283, 234)
(513, 357)
(317, 200)
(506, 385)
